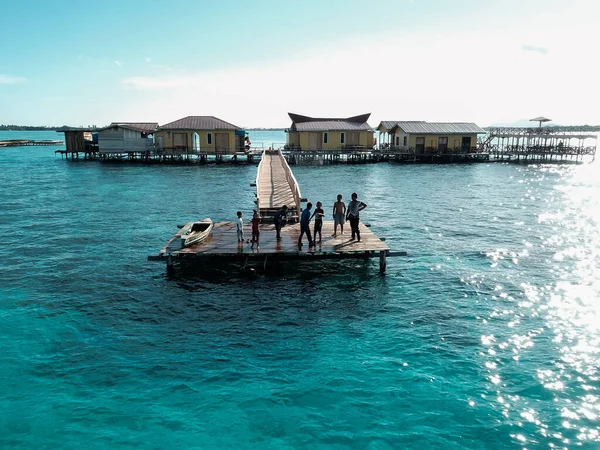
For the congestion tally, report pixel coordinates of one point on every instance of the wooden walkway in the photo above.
(276, 185)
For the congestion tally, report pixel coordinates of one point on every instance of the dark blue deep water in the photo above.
(486, 336)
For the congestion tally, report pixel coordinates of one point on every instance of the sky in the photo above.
(492, 62)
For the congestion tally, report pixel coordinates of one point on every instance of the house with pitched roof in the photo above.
(422, 137)
(126, 137)
(199, 134)
(310, 133)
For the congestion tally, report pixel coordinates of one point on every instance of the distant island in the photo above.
(265, 129)
(62, 127)
(35, 128)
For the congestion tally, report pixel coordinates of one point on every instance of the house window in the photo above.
(325, 137)
(342, 137)
(397, 140)
(405, 140)
(209, 138)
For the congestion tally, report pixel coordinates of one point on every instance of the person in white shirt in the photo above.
(239, 227)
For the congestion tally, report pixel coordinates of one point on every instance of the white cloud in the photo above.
(482, 76)
(531, 48)
(9, 79)
(118, 63)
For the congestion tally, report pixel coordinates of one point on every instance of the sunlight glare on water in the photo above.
(554, 312)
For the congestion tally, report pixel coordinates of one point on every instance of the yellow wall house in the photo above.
(309, 133)
(199, 134)
(422, 137)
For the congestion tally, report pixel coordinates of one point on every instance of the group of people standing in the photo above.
(341, 214)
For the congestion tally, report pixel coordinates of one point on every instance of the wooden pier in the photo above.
(275, 186)
(91, 152)
(28, 142)
(333, 156)
(541, 144)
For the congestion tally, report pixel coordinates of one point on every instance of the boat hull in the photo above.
(196, 232)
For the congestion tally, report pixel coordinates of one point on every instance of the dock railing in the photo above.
(262, 158)
(291, 179)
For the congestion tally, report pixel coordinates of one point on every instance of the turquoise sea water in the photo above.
(486, 336)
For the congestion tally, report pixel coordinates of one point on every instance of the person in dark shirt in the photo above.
(353, 215)
(255, 230)
(280, 220)
(318, 215)
(305, 226)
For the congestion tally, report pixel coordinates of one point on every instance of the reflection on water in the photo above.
(553, 325)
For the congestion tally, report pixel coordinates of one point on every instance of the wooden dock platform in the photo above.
(223, 245)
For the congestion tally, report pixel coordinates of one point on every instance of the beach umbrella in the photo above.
(540, 120)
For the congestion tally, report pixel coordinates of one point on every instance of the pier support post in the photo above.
(382, 261)
(170, 265)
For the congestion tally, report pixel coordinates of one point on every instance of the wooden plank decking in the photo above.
(273, 188)
(223, 242)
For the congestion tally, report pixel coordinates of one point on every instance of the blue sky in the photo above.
(250, 62)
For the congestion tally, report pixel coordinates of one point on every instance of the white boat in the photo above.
(196, 232)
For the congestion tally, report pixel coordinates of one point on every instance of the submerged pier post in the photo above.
(382, 261)
(170, 268)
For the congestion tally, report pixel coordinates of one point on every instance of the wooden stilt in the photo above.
(382, 261)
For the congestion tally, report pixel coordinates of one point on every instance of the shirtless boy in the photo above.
(339, 215)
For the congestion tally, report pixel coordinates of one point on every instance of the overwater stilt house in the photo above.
(199, 135)
(310, 133)
(79, 141)
(422, 137)
(126, 138)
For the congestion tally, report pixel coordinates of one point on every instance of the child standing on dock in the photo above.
(339, 213)
(305, 226)
(239, 227)
(280, 219)
(255, 230)
(354, 208)
(318, 215)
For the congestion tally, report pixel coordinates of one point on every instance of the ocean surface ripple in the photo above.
(487, 335)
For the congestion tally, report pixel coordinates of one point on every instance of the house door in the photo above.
(222, 143)
(180, 141)
(352, 139)
(195, 143)
(314, 141)
(420, 145)
(160, 142)
(443, 144)
(466, 143)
